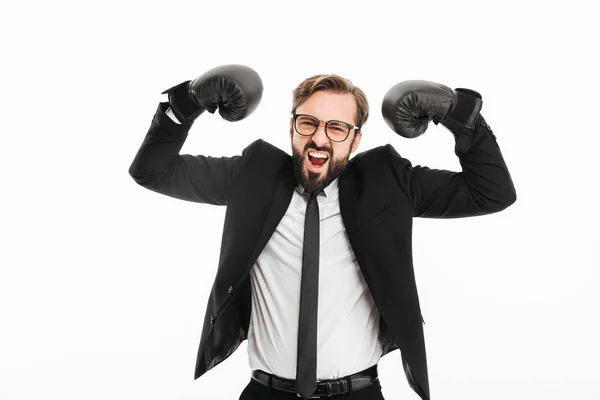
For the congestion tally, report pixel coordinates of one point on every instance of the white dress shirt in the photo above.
(348, 319)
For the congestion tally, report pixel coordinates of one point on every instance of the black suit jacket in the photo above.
(380, 194)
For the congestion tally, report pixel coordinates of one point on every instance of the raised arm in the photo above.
(483, 187)
(236, 91)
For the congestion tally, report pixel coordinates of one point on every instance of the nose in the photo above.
(319, 137)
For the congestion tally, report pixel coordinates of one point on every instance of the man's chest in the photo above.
(285, 246)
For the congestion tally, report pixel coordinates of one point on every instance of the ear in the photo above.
(292, 128)
(356, 142)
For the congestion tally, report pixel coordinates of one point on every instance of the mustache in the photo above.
(316, 148)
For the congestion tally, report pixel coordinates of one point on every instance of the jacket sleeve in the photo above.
(483, 187)
(158, 166)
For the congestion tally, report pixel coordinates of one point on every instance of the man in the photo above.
(315, 267)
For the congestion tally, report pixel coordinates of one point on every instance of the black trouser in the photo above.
(257, 391)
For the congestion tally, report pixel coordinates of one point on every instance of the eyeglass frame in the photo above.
(350, 126)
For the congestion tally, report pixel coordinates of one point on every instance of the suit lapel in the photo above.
(280, 201)
(349, 210)
(348, 207)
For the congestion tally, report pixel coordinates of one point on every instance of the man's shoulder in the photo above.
(266, 149)
(376, 154)
(262, 153)
(379, 161)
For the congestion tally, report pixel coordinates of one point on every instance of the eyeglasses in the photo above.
(337, 131)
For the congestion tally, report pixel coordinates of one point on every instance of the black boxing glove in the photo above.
(408, 106)
(236, 90)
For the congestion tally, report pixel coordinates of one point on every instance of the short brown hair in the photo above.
(334, 83)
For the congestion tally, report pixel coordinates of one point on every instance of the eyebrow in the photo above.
(334, 119)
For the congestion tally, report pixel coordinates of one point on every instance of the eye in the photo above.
(337, 127)
(307, 121)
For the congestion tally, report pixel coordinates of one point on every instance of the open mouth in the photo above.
(317, 160)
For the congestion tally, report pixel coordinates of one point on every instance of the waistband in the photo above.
(325, 388)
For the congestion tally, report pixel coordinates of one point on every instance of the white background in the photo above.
(103, 284)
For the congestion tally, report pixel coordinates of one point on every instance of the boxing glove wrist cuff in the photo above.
(466, 106)
(184, 107)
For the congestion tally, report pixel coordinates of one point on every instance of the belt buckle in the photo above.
(329, 390)
(338, 386)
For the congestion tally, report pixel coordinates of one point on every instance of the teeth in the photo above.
(317, 155)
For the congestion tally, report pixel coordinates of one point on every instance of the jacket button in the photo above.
(212, 319)
(483, 123)
(230, 289)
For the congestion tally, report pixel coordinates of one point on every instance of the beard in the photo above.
(314, 182)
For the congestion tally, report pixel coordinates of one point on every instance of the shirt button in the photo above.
(230, 289)
(212, 319)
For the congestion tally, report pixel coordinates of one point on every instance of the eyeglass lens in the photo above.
(335, 130)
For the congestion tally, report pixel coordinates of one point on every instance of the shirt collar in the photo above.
(331, 191)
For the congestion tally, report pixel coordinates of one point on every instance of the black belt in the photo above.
(325, 388)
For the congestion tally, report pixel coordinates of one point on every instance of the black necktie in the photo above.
(306, 368)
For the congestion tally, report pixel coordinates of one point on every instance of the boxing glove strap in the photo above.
(466, 107)
(184, 107)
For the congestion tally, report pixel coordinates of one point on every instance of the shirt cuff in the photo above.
(169, 112)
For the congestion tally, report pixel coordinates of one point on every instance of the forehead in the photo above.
(328, 105)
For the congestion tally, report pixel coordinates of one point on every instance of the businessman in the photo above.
(315, 268)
